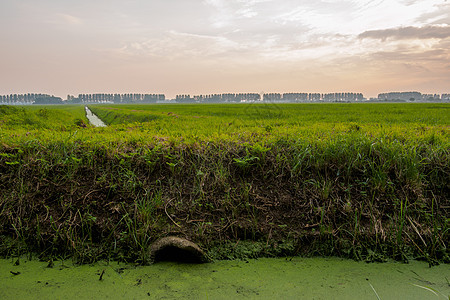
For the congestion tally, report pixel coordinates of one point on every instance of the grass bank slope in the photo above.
(368, 182)
(37, 117)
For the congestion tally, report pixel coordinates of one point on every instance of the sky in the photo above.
(172, 47)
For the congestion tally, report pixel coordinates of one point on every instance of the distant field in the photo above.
(233, 121)
(293, 120)
(429, 114)
(37, 117)
(366, 181)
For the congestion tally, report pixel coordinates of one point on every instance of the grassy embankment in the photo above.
(366, 181)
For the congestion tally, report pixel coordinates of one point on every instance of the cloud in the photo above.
(174, 45)
(410, 61)
(227, 13)
(234, 48)
(433, 55)
(69, 19)
(441, 15)
(410, 32)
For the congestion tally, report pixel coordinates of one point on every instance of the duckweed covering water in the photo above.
(299, 278)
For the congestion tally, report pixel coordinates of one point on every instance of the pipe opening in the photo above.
(175, 254)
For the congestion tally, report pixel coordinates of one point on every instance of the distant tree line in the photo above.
(29, 98)
(304, 97)
(270, 97)
(34, 98)
(412, 96)
(117, 98)
(216, 98)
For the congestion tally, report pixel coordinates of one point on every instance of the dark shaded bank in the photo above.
(353, 197)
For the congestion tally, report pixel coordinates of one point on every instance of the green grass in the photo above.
(36, 117)
(366, 181)
(292, 120)
(430, 114)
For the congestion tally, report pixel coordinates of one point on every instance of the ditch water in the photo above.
(299, 278)
(93, 119)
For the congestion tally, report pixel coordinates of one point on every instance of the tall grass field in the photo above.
(363, 181)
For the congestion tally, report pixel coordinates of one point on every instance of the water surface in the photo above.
(299, 278)
(93, 119)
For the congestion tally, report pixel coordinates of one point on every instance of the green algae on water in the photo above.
(299, 278)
